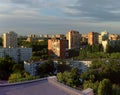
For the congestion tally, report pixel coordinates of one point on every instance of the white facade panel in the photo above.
(17, 54)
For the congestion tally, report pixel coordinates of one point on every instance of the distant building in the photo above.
(105, 44)
(32, 37)
(29, 39)
(113, 37)
(111, 43)
(17, 54)
(93, 38)
(47, 36)
(103, 36)
(74, 39)
(57, 47)
(84, 39)
(61, 36)
(41, 35)
(10, 40)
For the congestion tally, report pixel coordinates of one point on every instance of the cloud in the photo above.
(101, 10)
(87, 10)
(43, 7)
(59, 15)
(21, 1)
(43, 3)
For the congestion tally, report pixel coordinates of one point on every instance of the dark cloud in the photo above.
(102, 10)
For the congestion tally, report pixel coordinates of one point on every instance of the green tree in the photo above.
(105, 87)
(115, 89)
(6, 65)
(19, 76)
(63, 67)
(70, 78)
(60, 77)
(95, 48)
(75, 76)
(46, 68)
(14, 77)
(90, 84)
(18, 68)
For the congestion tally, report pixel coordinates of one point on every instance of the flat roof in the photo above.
(33, 88)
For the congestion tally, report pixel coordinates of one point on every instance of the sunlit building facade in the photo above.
(74, 38)
(57, 47)
(10, 40)
(93, 38)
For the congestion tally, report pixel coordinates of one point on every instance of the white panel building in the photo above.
(81, 65)
(104, 44)
(17, 54)
(103, 36)
(30, 66)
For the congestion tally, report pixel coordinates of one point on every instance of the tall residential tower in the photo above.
(57, 47)
(93, 38)
(10, 40)
(73, 38)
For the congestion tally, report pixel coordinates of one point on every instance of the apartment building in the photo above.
(10, 40)
(31, 66)
(74, 38)
(17, 54)
(103, 36)
(93, 38)
(57, 47)
(113, 37)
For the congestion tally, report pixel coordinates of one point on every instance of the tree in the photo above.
(75, 76)
(46, 68)
(70, 78)
(60, 77)
(14, 77)
(63, 67)
(95, 48)
(18, 68)
(115, 89)
(90, 84)
(6, 65)
(105, 87)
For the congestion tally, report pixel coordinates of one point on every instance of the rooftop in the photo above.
(44, 86)
(34, 88)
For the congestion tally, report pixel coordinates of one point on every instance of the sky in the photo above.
(59, 16)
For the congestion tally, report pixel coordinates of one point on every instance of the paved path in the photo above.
(36, 88)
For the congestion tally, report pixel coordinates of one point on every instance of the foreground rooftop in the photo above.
(38, 87)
